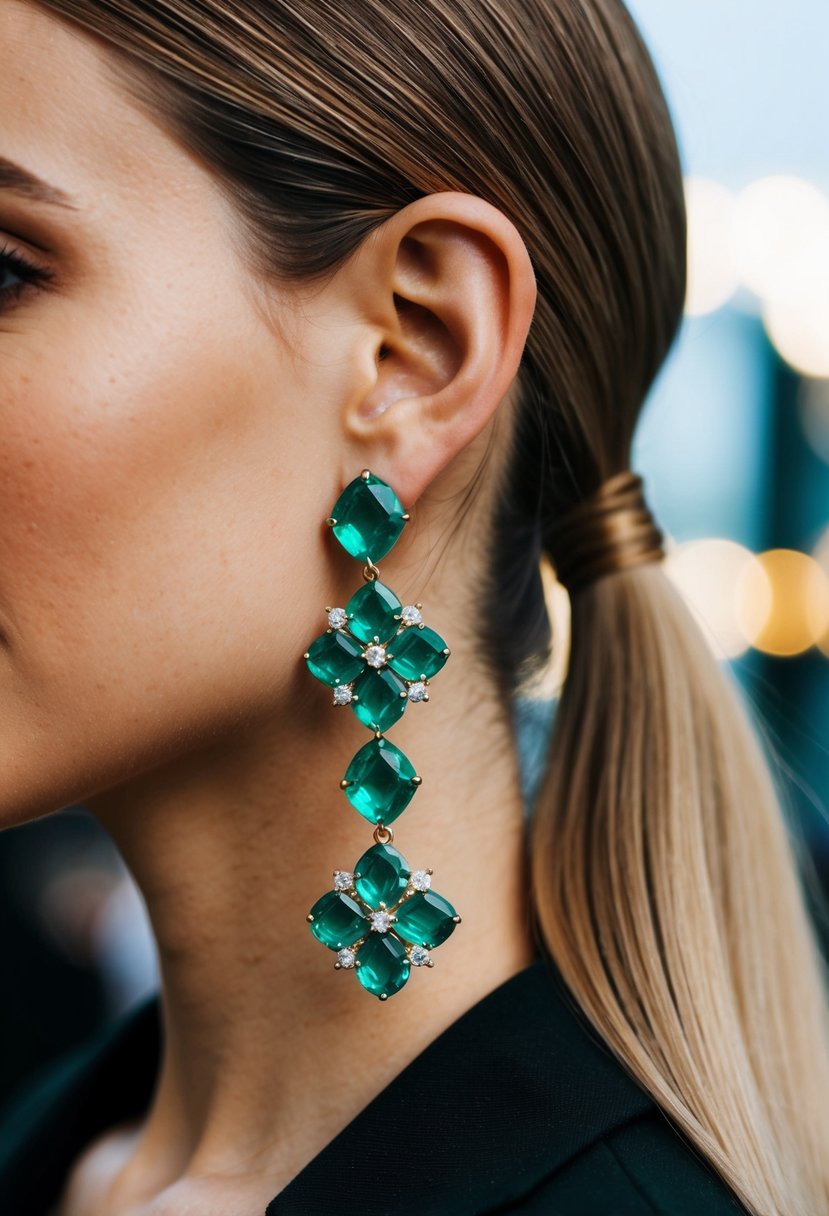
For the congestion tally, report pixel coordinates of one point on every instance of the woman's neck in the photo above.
(270, 1052)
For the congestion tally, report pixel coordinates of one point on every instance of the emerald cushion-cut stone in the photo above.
(378, 702)
(338, 920)
(425, 918)
(380, 777)
(384, 875)
(383, 965)
(335, 658)
(368, 518)
(372, 610)
(418, 653)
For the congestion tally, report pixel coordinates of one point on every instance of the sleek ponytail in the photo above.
(662, 879)
(665, 887)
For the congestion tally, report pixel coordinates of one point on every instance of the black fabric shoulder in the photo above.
(502, 1107)
(517, 1106)
(643, 1168)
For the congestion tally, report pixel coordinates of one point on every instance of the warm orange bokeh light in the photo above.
(795, 615)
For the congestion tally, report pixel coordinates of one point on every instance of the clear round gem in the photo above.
(421, 880)
(342, 694)
(381, 921)
(375, 656)
(346, 958)
(343, 879)
(337, 617)
(411, 615)
(417, 691)
(418, 956)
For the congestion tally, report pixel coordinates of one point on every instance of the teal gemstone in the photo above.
(384, 875)
(378, 702)
(380, 777)
(335, 658)
(338, 920)
(372, 611)
(425, 919)
(368, 518)
(418, 653)
(383, 966)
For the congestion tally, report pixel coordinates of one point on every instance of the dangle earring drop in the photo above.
(382, 917)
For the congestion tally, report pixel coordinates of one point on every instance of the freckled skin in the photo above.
(173, 434)
(153, 478)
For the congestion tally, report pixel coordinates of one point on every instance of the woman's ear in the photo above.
(446, 292)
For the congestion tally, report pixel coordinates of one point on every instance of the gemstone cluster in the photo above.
(377, 655)
(386, 898)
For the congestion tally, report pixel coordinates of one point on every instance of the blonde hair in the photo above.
(663, 880)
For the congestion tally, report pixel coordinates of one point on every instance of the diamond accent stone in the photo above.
(343, 880)
(337, 617)
(417, 691)
(375, 656)
(381, 921)
(342, 694)
(421, 880)
(410, 615)
(382, 926)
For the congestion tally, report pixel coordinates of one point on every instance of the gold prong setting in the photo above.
(382, 918)
(378, 654)
(368, 646)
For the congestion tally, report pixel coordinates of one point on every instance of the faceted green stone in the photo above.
(384, 875)
(338, 920)
(373, 606)
(383, 964)
(425, 919)
(418, 653)
(381, 781)
(369, 518)
(379, 703)
(335, 658)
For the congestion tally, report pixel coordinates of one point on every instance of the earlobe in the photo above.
(447, 292)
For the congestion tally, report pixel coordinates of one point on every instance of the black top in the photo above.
(515, 1107)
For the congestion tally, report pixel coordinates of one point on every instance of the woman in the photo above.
(277, 244)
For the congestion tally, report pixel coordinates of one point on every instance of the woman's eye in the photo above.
(16, 274)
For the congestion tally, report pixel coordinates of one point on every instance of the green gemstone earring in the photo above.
(377, 656)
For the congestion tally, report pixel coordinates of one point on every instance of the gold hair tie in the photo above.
(611, 530)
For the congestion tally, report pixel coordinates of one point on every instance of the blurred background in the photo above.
(734, 448)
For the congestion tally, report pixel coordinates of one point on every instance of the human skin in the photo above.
(174, 434)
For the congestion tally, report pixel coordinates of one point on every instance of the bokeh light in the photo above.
(781, 251)
(798, 322)
(707, 573)
(779, 222)
(712, 270)
(782, 601)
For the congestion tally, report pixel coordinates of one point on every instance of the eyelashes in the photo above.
(28, 274)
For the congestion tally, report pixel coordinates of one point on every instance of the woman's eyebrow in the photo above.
(15, 177)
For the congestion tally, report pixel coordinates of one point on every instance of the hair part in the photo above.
(663, 880)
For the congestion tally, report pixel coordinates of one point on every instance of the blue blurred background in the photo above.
(733, 445)
(734, 440)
